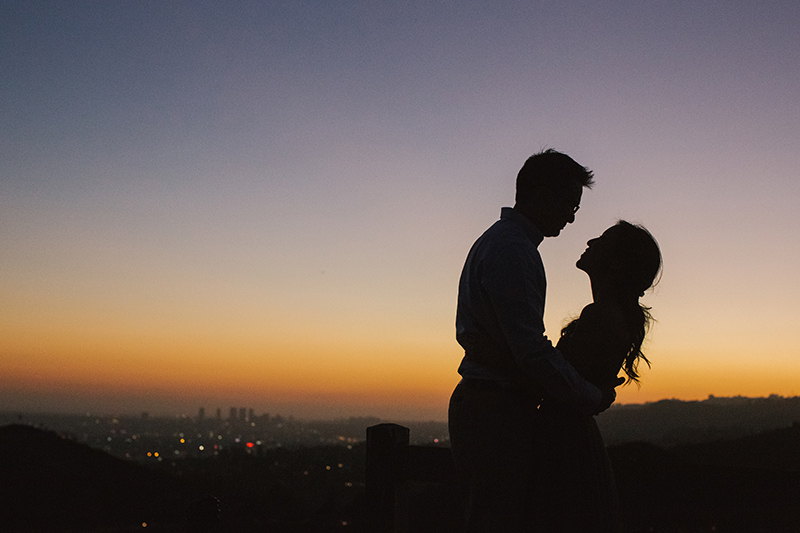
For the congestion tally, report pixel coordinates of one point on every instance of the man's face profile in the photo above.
(557, 208)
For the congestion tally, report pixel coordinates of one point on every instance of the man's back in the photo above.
(503, 264)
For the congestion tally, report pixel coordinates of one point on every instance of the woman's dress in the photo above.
(573, 483)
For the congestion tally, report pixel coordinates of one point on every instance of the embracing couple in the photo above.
(521, 419)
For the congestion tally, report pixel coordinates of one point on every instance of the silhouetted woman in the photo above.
(573, 483)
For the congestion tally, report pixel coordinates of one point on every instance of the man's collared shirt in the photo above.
(499, 320)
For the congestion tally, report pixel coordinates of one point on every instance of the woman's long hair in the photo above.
(639, 269)
(639, 319)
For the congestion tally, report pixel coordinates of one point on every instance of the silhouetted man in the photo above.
(509, 364)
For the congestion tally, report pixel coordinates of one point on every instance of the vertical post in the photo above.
(385, 443)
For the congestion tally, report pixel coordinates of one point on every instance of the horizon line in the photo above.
(144, 413)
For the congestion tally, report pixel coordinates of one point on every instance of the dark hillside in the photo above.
(675, 422)
(750, 484)
(777, 450)
(52, 483)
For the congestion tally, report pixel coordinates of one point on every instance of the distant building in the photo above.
(232, 414)
(219, 413)
(243, 414)
(201, 414)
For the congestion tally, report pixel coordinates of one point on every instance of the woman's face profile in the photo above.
(600, 252)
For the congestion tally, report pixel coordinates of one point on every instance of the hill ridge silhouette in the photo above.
(745, 484)
(50, 482)
(676, 422)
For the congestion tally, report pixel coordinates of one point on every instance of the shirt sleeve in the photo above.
(514, 282)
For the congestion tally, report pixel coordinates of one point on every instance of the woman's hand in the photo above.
(609, 394)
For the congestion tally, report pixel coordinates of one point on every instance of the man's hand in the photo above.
(609, 394)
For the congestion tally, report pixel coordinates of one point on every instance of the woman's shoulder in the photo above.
(603, 311)
(607, 319)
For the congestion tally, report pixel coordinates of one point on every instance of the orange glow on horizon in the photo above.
(374, 367)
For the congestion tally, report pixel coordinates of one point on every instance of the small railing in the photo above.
(409, 488)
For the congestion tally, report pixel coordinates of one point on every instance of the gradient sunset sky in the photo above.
(268, 204)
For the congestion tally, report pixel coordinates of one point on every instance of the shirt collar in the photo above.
(533, 233)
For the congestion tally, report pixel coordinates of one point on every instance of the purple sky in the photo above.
(294, 186)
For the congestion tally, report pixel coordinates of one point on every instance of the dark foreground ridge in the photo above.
(51, 483)
(749, 484)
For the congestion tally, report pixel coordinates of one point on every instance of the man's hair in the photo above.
(550, 169)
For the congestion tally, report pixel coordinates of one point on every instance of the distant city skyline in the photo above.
(246, 414)
(132, 435)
